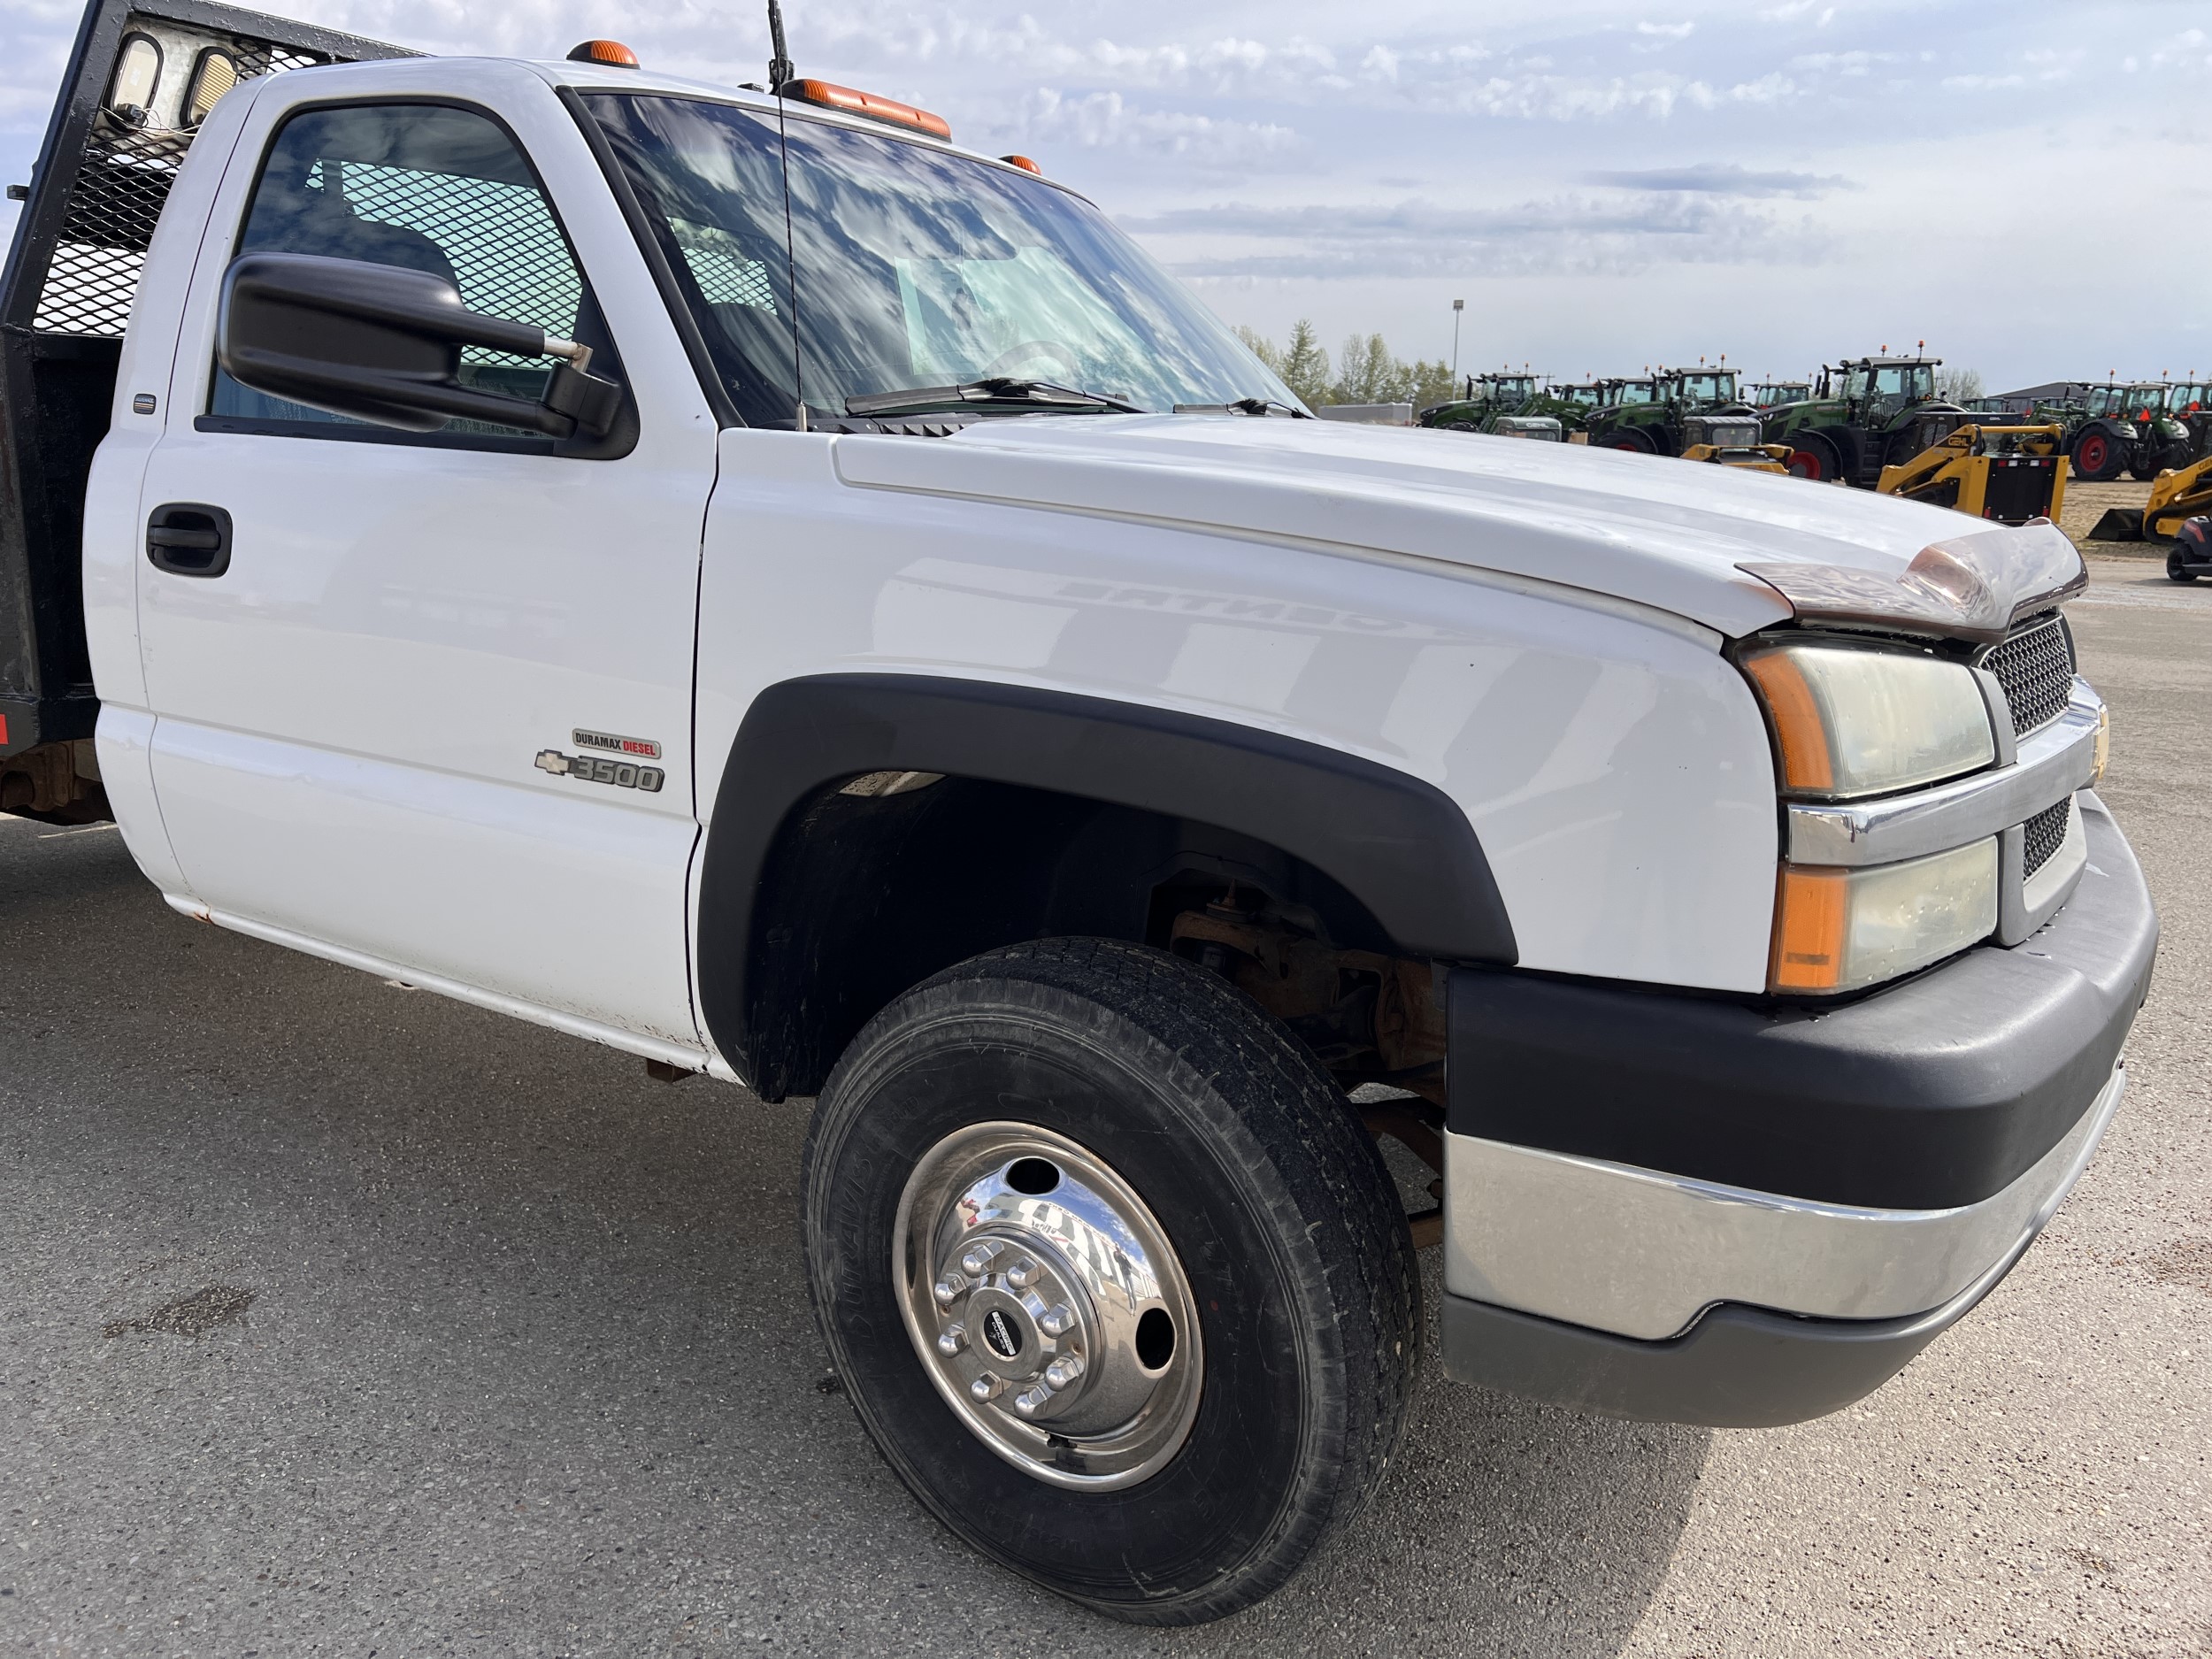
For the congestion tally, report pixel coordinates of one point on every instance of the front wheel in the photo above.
(1113, 1276)
(2175, 572)
(1813, 458)
(2096, 458)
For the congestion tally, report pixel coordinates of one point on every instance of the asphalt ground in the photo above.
(336, 1318)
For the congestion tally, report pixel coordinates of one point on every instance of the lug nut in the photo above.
(1032, 1400)
(978, 1260)
(948, 1289)
(1058, 1323)
(1022, 1273)
(955, 1339)
(1064, 1369)
(987, 1388)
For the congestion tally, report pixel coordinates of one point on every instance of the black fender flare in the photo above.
(1397, 842)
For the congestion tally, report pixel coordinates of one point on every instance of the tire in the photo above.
(2174, 571)
(1628, 438)
(2097, 456)
(1235, 1152)
(1813, 458)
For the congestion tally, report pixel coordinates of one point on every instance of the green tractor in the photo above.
(2190, 403)
(1866, 413)
(1571, 404)
(1676, 410)
(2128, 428)
(1495, 403)
(1773, 394)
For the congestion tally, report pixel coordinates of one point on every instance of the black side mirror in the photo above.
(383, 343)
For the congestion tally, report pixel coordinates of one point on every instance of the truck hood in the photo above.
(1732, 549)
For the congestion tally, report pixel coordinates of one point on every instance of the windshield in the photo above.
(913, 268)
(1709, 388)
(1892, 385)
(2144, 400)
(1633, 392)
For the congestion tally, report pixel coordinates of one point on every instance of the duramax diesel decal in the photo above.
(622, 774)
(636, 748)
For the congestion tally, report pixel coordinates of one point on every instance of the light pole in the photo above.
(1459, 308)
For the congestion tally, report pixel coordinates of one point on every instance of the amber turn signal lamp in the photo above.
(1798, 728)
(608, 54)
(1024, 163)
(1809, 909)
(831, 97)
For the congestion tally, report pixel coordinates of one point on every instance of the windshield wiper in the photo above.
(1257, 407)
(998, 392)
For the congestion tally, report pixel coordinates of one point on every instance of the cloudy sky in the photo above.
(2025, 186)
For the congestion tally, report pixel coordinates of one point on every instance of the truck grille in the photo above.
(2044, 835)
(2036, 668)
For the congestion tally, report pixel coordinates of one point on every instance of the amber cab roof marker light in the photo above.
(783, 80)
(1024, 163)
(829, 95)
(607, 54)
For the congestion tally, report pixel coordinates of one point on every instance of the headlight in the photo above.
(1855, 720)
(1837, 930)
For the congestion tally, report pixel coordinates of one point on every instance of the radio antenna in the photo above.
(780, 68)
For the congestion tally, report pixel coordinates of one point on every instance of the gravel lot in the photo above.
(337, 1319)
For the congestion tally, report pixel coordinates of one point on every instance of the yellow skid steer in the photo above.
(2006, 474)
(1757, 458)
(2177, 493)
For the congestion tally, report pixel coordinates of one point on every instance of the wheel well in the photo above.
(865, 894)
(1037, 812)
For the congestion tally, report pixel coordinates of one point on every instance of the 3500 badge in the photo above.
(622, 774)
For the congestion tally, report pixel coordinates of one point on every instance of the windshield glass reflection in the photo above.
(914, 268)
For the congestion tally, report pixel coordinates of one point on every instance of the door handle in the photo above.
(189, 538)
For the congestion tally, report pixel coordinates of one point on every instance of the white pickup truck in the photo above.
(736, 578)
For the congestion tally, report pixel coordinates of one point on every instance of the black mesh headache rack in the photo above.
(140, 79)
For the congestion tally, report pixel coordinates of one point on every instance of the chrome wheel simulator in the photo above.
(1047, 1306)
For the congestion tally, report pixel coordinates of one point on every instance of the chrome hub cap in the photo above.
(1047, 1306)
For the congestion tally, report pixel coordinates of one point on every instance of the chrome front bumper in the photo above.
(1641, 1254)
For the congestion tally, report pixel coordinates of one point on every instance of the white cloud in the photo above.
(1847, 64)
(1106, 120)
(1590, 141)
(1724, 178)
(1567, 235)
(1790, 11)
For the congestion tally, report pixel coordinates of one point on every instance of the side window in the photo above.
(432, 188)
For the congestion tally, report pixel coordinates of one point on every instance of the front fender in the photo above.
(1401, 846)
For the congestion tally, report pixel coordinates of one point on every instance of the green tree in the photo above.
(1305, 365)
(1431, 384)
(1367, 374)
(1365, 371)
(1265, 350)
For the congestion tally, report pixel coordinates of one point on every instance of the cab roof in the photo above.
(583, 77)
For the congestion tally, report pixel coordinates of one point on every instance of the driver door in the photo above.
(430, 708)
